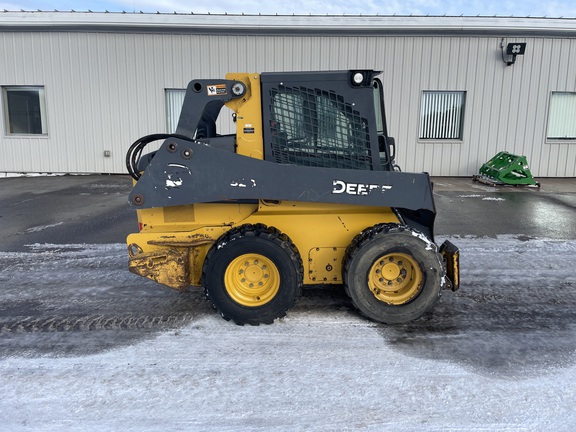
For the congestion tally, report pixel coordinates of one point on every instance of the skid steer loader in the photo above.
(305, 192)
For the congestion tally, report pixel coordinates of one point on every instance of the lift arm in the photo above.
(187, 172)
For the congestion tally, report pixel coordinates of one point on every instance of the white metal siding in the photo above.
(104, 90)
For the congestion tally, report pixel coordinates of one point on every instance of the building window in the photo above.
(25, 110)
(562, 116)
(174, 101)
(442, 115)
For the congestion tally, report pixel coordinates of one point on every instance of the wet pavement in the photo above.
(466, 207)
(64, 209)
(94, 209)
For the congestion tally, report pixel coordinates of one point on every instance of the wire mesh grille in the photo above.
(317, 128)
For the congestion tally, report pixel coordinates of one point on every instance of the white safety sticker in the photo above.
(216, 89)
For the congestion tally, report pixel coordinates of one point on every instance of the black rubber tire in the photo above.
(253, 239)
(373, 243)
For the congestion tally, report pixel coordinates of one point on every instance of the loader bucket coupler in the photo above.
(506, 169)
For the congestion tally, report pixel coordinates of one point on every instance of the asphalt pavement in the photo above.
(469, 208)
(93, 209)
(64, 209)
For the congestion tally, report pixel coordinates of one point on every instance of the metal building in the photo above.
(78, 88)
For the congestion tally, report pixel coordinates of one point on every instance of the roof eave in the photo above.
(274, 24)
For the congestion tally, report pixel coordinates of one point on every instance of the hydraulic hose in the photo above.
(135, 151)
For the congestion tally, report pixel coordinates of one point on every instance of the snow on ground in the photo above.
(12, 174)
(498, 355)
(301, 374)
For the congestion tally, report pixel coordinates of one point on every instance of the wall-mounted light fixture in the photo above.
(512, 49)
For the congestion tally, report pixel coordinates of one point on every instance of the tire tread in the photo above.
(268, 233)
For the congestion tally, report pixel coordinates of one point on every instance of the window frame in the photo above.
(6, 112)
(462, 114)
(564, 140)
(171, 117)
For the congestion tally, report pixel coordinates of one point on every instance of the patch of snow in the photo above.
(483, 188)
(429, 245)
(105, 186)
(311, 371)
(43, 227)
(26, 174)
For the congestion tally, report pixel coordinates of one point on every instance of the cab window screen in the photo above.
(317, 128)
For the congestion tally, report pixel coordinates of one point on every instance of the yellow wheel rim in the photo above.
(395, 278)
(252, 280)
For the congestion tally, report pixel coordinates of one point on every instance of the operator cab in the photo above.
(330, 119)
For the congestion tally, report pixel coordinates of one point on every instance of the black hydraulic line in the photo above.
(135, 151)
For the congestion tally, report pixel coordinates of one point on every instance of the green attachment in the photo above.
(507, 169)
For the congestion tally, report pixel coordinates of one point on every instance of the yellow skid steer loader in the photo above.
(305, 192)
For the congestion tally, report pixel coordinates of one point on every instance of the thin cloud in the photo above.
(519, 8)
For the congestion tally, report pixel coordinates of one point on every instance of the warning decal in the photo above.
(216, 89)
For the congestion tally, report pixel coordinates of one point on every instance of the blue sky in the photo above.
(534, 8)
